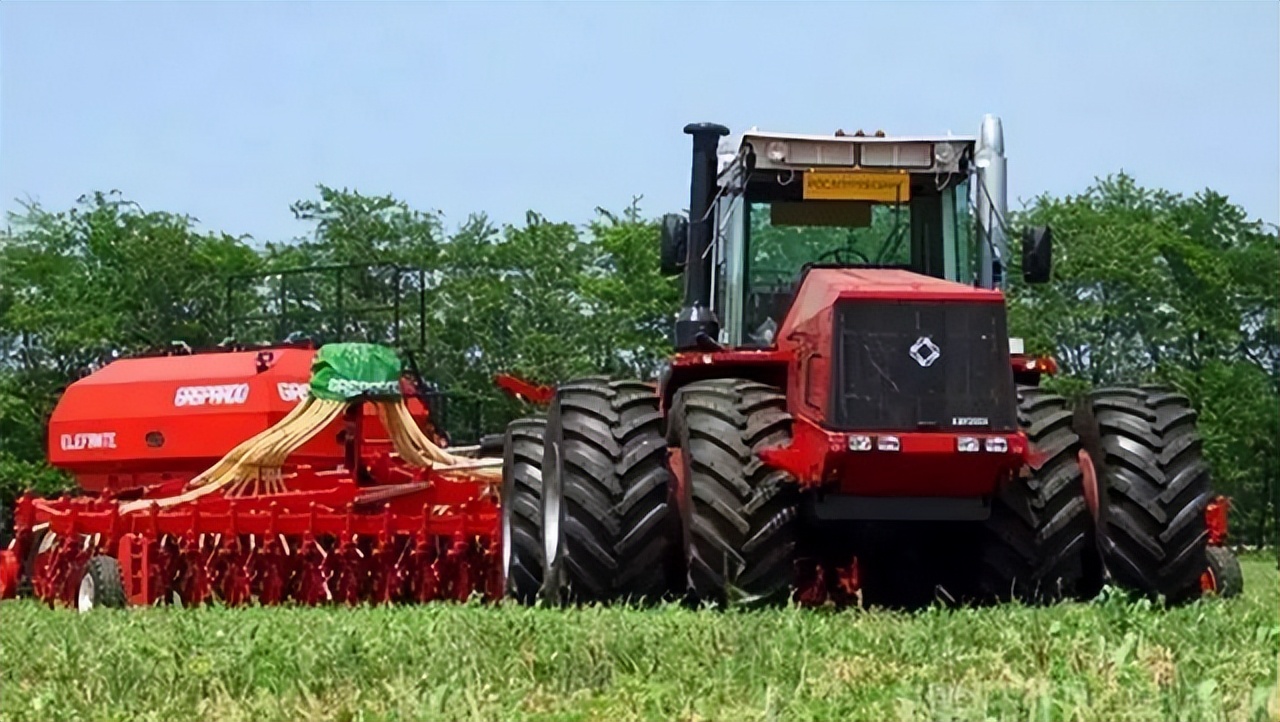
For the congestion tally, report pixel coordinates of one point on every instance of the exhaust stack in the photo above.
(696, 319)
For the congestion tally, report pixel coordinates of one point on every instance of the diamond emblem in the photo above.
(925, 351)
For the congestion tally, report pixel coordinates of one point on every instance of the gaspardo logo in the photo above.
(220, 395)
(350, 387)
(79, 442)
(292, 392)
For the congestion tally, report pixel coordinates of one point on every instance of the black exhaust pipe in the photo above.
(697, 325)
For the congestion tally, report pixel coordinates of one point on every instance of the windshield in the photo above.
(857, 233)
(928, 234)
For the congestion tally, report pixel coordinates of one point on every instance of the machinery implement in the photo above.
(344, 494)
(846, 416)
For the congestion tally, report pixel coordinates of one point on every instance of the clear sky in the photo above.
(230, 111)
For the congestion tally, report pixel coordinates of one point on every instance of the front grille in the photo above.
(958, 377)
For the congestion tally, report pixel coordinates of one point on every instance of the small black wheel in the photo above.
(1155, 486)
(521, 510)
(6, 523)
(101, 584)
(1040, 529)
(740, 517)
(1224, 573)
(607, 528)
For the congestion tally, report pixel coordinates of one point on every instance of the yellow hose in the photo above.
(261, 457)
(415, 448)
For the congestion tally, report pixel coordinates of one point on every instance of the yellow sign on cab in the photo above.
(881, 186)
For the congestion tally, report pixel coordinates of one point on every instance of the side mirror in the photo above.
(1037, 254)
(674, 244)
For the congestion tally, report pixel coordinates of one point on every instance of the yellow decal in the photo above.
(885, 187)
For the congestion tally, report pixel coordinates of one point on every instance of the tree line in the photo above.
(1148, 286)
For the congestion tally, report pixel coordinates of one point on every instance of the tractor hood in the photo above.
(891, 350)
(822, 287)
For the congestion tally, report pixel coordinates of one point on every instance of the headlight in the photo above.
(946, 153)
(967, 444)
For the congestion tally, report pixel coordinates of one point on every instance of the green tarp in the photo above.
(344, 371)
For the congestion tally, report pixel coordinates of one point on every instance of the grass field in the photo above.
(1113, 659)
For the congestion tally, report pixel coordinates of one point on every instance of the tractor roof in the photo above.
(855, 137)
(800, 151)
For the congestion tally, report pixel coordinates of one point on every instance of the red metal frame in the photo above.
(524, 390)
(424, 538)
(372, 529)
(1215, 520)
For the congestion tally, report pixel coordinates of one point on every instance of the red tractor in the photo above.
(846, 414)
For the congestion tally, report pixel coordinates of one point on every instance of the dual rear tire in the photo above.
(603, 530)
(1156, 485)
(1153, 484)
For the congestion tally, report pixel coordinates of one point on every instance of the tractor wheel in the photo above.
(1155, 486)
(739, 516)
(101, 584)
(1040, 530)
(607, 528)
(1223, 577)
(521, 508)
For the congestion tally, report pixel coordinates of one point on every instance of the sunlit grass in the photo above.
(1113, 659)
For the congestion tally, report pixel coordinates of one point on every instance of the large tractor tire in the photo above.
(521, 508)
(1040, 531)
(1154, 489)
(739, 516)
(607, 527)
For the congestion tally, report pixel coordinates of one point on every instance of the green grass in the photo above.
(1112, 659)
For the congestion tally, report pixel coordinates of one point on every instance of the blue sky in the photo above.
(230, 111)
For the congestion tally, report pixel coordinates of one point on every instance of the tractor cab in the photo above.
(773, 205)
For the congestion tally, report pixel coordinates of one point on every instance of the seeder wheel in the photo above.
(1223, 577)
(101, 584)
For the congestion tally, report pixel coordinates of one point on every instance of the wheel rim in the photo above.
(506, 545)
(551, 509)
(1208, 582)
(84, 600)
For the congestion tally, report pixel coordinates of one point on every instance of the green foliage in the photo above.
(81, 286)
(107, 277)
(20, 475)
(1114, 659)
(1151, 286)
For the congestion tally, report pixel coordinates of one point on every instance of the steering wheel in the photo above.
(841, 256)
